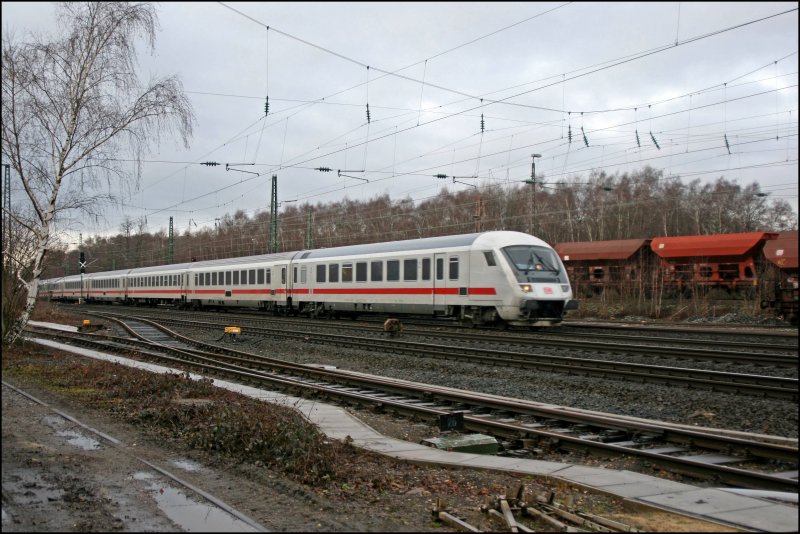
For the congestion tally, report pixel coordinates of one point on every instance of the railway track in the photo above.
(781, 351)
(738, 383)
(522, 425)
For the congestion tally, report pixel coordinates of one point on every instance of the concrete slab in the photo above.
(706, 501)
(389, 445)
(625, 483)
(353, 433)
(772, 518)
(571, 471)
(517, 465)
(428, 454)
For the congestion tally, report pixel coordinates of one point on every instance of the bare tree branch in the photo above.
(71, 106)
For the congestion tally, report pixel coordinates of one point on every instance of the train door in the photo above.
(283, 285)
(439, 281)
(184, 287)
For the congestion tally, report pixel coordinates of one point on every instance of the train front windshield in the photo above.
(535, 264)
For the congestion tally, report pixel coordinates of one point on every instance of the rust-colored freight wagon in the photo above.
(780, 285)
(730, 261)
(596, 265)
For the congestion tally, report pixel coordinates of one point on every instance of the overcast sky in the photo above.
(691, 73)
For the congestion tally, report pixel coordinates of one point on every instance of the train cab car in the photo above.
(482, 278)
(594, 266)
(729, 261)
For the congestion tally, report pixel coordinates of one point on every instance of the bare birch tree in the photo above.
(71, 107)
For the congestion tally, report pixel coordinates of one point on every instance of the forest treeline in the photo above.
(621, 206)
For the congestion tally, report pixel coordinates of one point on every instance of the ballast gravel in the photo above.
(695, 407)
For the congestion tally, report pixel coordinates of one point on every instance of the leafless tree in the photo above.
(71, 106)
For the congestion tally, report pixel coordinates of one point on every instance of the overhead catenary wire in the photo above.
(395, 134)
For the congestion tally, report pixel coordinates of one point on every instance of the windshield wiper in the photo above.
(543, 265)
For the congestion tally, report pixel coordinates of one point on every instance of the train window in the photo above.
(347, 272)
(409, 270)
(236, 278)
(440, 268)
(283, 276)
(320, 273)
(489, 258)
(361, 271)
(598, 273)
(748, 272)
(260, 277)
(244, 278)
(705, 271)
(228, 280)
(251, 277)
(426, 268)
(333, 272)
(269, 276)
(213, 279)
(294, 275)
(392, 270)
(453, 275)
(201, 279)
(303, 274)
(376, 268)
(208, 279)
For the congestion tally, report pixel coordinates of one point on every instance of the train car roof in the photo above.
(707, 246)
(226, 262)
(502, 238)
(782, 251)
(618, 249)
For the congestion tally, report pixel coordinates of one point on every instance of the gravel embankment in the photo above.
(650, 401)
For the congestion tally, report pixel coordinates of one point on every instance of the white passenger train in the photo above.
(487, 278)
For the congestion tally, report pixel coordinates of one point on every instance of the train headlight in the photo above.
(565, 288)
(526, 288)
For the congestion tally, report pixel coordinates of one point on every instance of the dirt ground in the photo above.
(59, 476)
